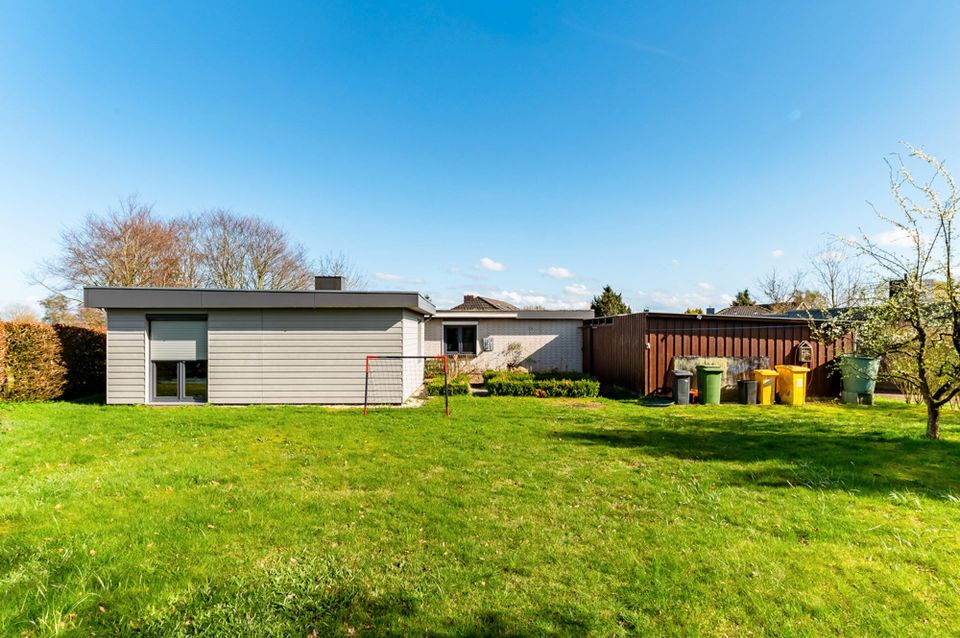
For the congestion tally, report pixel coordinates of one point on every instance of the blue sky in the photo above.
(532, 152)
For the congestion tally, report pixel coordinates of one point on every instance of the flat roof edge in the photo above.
(189, 298)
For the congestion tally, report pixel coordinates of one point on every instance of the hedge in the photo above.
(32, 363)
(546, 384)
(39, 362)
(459, 384)
(85, 357)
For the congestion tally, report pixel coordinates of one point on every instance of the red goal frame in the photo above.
(366, 376)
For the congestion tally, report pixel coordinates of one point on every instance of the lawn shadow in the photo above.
(872, 461)
(99, 398)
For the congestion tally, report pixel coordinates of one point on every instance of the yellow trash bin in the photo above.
(766, 385)
(792, 384)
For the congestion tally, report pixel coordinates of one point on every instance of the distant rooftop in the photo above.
(754, 310)
(476, 303)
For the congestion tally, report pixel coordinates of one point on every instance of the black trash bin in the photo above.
(681, 387)
(747, 392)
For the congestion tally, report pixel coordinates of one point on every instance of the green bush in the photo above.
(545, 384)
(459, 384)
(32, 363)
(84, 352)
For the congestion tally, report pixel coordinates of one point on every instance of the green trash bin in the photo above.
(708, 384)
(859, 378)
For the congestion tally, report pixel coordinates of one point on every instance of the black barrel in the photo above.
(747, 392)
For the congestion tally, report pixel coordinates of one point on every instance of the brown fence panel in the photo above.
(636, 351)
(613, 350)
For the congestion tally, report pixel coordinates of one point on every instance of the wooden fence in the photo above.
(636, 351)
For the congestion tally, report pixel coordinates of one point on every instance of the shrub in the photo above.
(459, 384)
(545, 384)
(32, 364)
(84, 352)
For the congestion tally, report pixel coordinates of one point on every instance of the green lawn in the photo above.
(514, 517)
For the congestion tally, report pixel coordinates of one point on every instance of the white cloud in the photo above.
(680, 301)
(389, 276)
(557, 272)
(675, 262)
(578, 290)
(892, 237)
(489, 264)
(776, 253)
(704, 286)
(524, 298)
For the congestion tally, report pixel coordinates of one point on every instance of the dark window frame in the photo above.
(460, 328)
(182, 396)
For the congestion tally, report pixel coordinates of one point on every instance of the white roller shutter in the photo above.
(178, 340)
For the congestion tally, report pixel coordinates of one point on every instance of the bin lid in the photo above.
(709, 368)
(765, 372)
(793, 368)
(682, 373)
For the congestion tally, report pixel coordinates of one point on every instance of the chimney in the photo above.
(327, 283)
(711, 311)
(467, 298)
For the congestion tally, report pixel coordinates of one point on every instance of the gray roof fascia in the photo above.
(187, 298)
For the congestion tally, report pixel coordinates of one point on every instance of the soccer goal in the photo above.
(389, 379)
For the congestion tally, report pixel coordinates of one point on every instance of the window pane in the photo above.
(451, 338)
(195, 380)
(165, 379)
(468, 339)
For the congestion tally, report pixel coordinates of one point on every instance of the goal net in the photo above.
(391, 379)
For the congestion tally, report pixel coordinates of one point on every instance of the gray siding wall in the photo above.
(412, 326)
(303, 356)
(126, 356)
(547, 344)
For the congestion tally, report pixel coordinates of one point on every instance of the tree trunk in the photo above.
(933, 421)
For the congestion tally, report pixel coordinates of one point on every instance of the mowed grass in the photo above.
(514, 517)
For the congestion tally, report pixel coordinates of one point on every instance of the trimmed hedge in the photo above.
(85, 357)
(546, 384)
(32, 363)
(459, 384)
(39, 362)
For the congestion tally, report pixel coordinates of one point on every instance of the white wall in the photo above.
(546, 344)
(412, 326)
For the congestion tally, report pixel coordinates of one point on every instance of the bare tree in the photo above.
(339, 265)
(838, 276)
(192, 269)
(222, 244)
(915, 325)
(129, 246)
(19, 313)
(247, 252)
(781, 291)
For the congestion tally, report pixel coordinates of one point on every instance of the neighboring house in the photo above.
(488, 333)
(177, 345)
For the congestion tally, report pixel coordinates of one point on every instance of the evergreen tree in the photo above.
(743, 298)
(609, 303)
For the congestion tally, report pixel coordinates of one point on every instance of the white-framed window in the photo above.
(460, 338)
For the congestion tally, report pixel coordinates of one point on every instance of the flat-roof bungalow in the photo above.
(177, 345)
